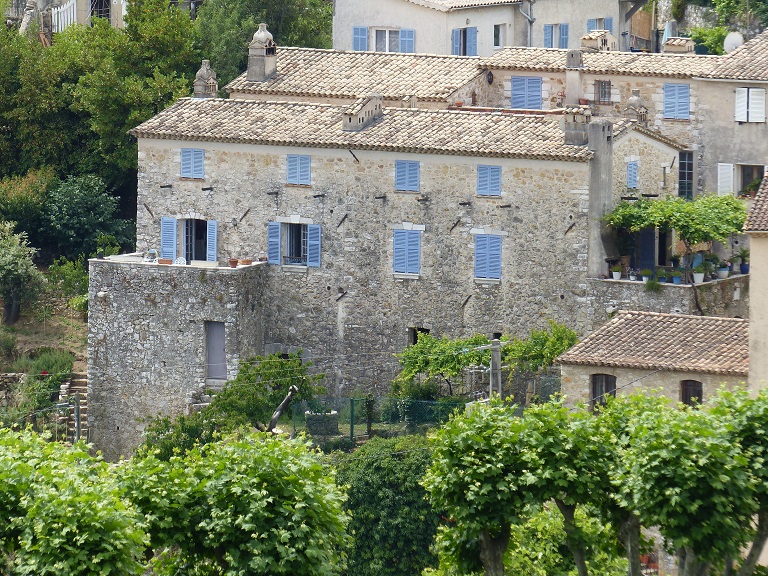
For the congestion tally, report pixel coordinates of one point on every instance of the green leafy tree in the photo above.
(22, 199)
(540, 349)
(78, 212)
(62, 511)
(392, 522)
(249, 400)
(223, 29)
(250, 504)
(20, 280)
(712, 38)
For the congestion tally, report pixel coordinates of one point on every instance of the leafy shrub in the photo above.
(7, 344)
(22, 199)
(68, 278)
(44, 361)
(393, 523)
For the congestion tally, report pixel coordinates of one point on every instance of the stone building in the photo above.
(478, 28)
(757, 228)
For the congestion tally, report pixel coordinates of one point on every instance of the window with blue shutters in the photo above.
(293, 244)
(471, 41)
(526, 92)
(677, 101)
(548, 32)
(632, 174)
(407, 175)
(489, 180)
(407, 251)
(488, 256)
(464, 41)
(407, 40)
(298, 169)
(563, 36)
(360, 38)
(192, 163)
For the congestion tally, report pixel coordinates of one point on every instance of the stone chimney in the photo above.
(262, 56)
(363, 113)
(602, 241)
(206, 85)
(574, 65)
(576, 121)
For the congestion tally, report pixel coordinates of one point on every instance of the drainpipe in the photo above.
(530, 19)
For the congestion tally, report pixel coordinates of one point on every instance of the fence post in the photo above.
(351, 422)
(77, 416)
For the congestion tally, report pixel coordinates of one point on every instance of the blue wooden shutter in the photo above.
(519, 84)
(401, 175)
(533, 94)
(683, 102)
(360, 38)
(670, 100)
(632, 169)
(563, 36)
(400, 254)
(273, 242)
(304, 169)
(212, 236)
(413, 176)
(494, 180)
(413, 252)
(548, 30)
(313, 245)
(293, 169)
(609, 24)
(591, 24)
(407, 40)
(645, 246)
(494, 256)
(471, 41)
(456, 42)
(198, 157)
(186, 163)
(167, 237)
(483, 180)
(481, 256)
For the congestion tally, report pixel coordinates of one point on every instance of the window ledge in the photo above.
(188, 179)
(489, 281)
(677, 120)
(402, 276)
(292, 185)
(294, 269)
(497, 196)
(407, 191)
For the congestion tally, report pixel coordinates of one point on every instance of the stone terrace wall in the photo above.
(7, 381)
(146, 340)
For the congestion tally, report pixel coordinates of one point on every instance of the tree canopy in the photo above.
(20, 280)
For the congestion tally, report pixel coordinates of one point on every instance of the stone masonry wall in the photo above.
(7, 381)
(652, 156)
(147, 342)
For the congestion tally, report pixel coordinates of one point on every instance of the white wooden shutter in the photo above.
(724, 179)
(740, 113)
(757, 104)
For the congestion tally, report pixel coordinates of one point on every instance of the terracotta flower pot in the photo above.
(164, 261)
(233, 262)
(246, 261)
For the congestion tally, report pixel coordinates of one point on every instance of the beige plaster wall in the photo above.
(758, 314)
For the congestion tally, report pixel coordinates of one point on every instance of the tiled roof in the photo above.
(449, 5)
(465, 133)
(677, 41)
(622, 63)
(347, 74)
(595, 34)
(757, 219)
(748, 62)
(623, 126)
(673, 342)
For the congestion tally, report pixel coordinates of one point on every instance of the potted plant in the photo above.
(698, 273)
(723, 267)
(646, 274)
(616, 271)
(744, 258)
(661, 274)
(677, 277)
(632, 275)
(233, 262)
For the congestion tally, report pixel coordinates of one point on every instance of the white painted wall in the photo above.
(575, 14)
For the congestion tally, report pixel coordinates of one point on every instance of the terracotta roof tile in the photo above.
(674, 342)
(348, 74)
(465, 133)
(757, 218)
(748, 62)
(449, 5)
(622, 63)
(623, 126)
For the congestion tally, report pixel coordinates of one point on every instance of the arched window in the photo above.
(691, 393)
(603, 385)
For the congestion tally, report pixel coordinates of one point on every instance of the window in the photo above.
(600, 24)
(464, 41)
(632, 174)
(293, 244)
(489, 180)
(750, 105)
(407, 251)
(360, 38)
(298, 169)
(413, 334)
(215, 351)
(603, 385)
(603, 91)
(526, 92)
(193, 239)
(555, 34)
(685, 175)
(488, 256)
(407, 175)
(677, 101)
(691, 392)
(498, 35)
(387, 40)
(192, 163)
(732, 178)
